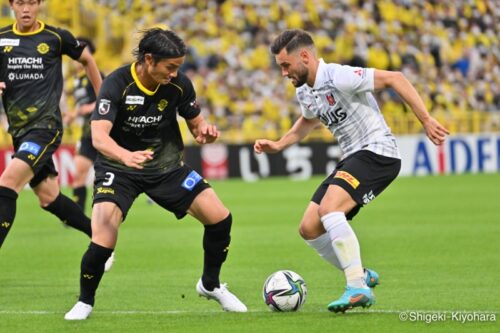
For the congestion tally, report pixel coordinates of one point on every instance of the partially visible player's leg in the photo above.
(217, 220)
(356, 181)
(84, 160)
(15, 176)
(52, 200)
(183, 191)
(109, 210)
(333, 208)
(82, 167)
(312, 231)
(106, 219)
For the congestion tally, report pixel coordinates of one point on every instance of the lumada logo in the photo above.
(162, 105)
(43, 48)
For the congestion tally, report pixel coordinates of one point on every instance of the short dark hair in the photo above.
(162, 44)
(291, 40)
(11, 1)
(88, 42)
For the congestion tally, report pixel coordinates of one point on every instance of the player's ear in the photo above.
(148, 59)
(304, 56)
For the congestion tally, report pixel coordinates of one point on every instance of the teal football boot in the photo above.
(371, 278)
(353, 297)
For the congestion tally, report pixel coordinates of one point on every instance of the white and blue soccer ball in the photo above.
(285, 291)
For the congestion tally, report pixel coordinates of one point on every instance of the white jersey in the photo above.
(342, 98)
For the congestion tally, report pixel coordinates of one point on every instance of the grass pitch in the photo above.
(433, 240)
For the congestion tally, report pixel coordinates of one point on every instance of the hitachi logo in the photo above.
(26, 61)
(144, 119)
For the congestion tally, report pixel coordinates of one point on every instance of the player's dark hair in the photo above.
(161, 44)
(88, 43)
(291, 40)
(11, 1)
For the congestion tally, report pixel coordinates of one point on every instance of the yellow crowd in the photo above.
(448, 49)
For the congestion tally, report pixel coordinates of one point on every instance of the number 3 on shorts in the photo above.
(109, 179)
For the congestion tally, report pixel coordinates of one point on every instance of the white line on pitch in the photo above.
(174, 312)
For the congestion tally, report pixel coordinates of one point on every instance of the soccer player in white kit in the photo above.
(341, 97)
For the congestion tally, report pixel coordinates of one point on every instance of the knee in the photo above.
(309, 232)
(45, 198)
(47, 191)
(303, 232)
(324, 210)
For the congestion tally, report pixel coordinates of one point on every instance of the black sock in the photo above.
(80, 196)
(8, 199)
(92, 269)
(216, 241)
(70, 213)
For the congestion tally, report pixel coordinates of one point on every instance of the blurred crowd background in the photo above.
(448, 49)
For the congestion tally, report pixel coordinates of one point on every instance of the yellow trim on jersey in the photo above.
(139, 84)
(125, 90)
(4, 32)
(47, 146)
(17, 32)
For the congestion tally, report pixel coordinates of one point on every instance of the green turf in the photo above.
(433, 240)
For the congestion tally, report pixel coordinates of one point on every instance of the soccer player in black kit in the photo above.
(140, 149)
(31, 85)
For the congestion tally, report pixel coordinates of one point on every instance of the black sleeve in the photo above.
(70, 45)
(108, 101)
(188, 108)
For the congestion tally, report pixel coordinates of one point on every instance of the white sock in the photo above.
(323, 245)
(346, 247)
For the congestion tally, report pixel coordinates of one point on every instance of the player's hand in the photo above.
(135, 159)
(68, 118)
(266, 146)
(2, 87)
(435, 131)
(207, 134)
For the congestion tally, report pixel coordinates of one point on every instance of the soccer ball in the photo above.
(285, 291)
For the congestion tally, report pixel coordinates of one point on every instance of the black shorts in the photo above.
(86, 149)
(175, 190)
(364, 175)
(36, 148)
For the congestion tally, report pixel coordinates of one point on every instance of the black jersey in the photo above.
(84, 94)
(31, 67)
(144, 119)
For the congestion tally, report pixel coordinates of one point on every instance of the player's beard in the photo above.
(300, 77)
